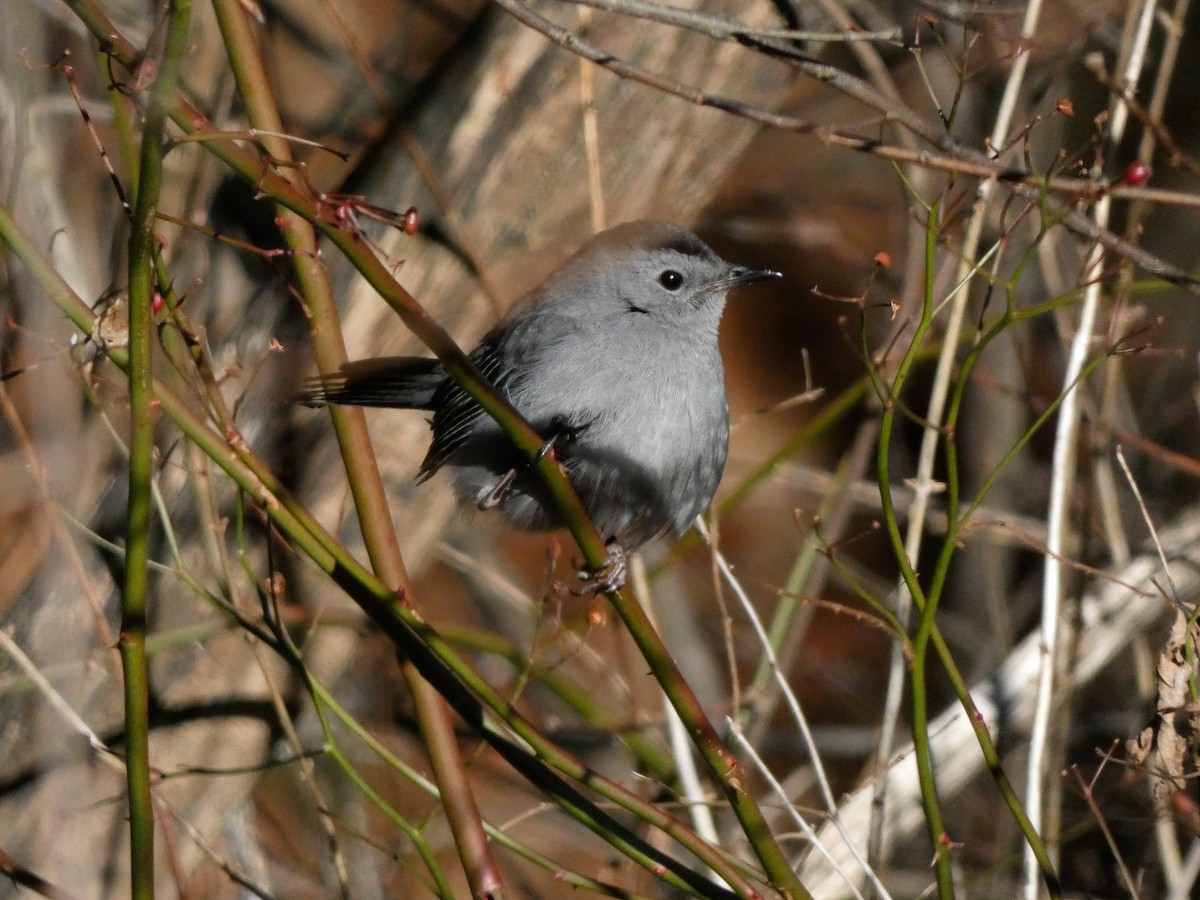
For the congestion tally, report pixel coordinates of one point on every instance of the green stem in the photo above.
(926, 605)
(325, 700)
(132, 641)
(640, 739)
(135, 590)
(319, 699)
(956, 519)
(927, 601)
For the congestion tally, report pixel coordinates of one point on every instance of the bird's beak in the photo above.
(744, 275)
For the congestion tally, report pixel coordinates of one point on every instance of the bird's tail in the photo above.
(402, 382)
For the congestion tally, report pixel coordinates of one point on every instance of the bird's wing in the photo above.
(456, 414)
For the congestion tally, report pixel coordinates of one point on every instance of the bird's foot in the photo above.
(491, 497)
(561, 432)
(545, 449)
(607, 578)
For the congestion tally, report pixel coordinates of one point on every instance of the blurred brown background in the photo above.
(480, 123)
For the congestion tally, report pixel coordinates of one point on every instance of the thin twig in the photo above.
(726, 28)
(793, 705)
(1063, 469)
(1141, 502)
(794, 814)
(699, 804)
(1087, 791)
(923, 484)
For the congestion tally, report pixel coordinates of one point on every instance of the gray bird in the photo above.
(613, 360)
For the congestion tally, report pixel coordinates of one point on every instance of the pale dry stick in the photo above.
(1141, 502)
(591, 132)
(923, 484)
(811, 569)
(699, 802)
(1169, 853)
(805, 829)
(727, 638)
(1114, 612)
(1174, 31)
(968, 268)
(59, 703)
(1109, 512)
(1189, 871)
(793, 705)
(1063, 469)
(1151, 116)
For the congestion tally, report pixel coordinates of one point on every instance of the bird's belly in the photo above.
(643, 462)
(649, 470)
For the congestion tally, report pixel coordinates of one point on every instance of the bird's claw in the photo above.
(490, 498)
(607, 578)
(545, 449)
(560, 430)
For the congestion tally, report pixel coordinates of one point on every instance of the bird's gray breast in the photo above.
(652, 428)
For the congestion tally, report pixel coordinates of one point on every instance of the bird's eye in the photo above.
(671, 280)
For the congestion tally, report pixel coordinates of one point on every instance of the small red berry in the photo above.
(1136, 173)
(412, 221)
(157, 303)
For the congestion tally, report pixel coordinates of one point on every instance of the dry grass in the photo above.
(932, 306)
